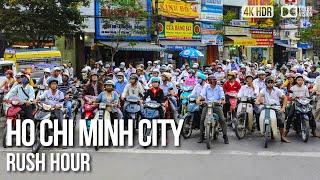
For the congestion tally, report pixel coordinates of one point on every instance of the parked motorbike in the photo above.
(186, 91)
(44, 111)
(268, 122)
(133, 110)
(245, 117)
(212, 126)
(12, 114)
(301, 117)
(150, 112)
(193, 113)
(232, 111)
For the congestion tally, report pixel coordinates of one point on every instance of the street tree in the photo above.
(36, 21)
(125, 16)
(312, 34)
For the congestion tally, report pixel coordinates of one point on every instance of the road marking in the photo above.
(171, 152)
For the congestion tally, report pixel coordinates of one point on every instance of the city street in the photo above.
(244, 159)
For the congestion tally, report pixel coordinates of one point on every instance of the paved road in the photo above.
(244, 159)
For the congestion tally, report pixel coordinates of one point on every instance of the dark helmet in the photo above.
(134, 76)
(269, 78)
(212, 77)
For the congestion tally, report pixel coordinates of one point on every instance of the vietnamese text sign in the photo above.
(263, 37)
(211, 10)
(106, 31)
(230, 30)
(181, 9)
(179, 30)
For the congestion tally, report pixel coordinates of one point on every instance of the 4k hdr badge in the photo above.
(257, 11)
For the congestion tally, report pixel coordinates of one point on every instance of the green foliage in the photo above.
(229, 16)
(121, 14)
(38, 20)
(312, 34)
(277, 16)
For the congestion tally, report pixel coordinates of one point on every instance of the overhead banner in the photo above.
(179, 9)
(106, 31)
(179, 30)
(211, 10)
(263, 37)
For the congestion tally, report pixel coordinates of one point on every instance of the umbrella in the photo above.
(191, 53)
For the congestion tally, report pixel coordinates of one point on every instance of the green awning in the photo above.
(136, 46)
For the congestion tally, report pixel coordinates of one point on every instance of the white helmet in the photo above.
(149, 62)
(46, 70)
(116, 70)
(195, 66)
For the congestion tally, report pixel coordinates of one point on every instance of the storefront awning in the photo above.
(181, 45)
(242, 40)
(136, 46)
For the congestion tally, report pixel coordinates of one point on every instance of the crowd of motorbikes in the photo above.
(240, 116)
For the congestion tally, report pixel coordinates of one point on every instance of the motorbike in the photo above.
(44, 111)
(212, 126)
(268, 122)
(12, 114)
(232, 111)
(193, 113)
(186, 91)
(245, 117)
(88, 109)
(170, 109)
(104, 113)
(150, 112)
(301, 118)
(133, 109)
(1, 102)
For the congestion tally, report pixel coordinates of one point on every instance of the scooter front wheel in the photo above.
(209, 135)
(187, 127)
(240, 128)
(266, 135)
(305, 131)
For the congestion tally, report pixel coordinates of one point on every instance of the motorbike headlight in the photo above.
(306, 117)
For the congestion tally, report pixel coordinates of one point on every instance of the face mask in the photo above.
(25, 81)
(176, 74)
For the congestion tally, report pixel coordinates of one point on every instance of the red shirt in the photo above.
(227, 87)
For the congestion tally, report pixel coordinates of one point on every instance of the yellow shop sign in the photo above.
(182, 9)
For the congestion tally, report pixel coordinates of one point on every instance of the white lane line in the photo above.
(171, 152)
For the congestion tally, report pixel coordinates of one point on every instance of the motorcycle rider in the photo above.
(109, 95)
(134, 88)
(56, 73)
(231, 85)
(53, 97)
(272, 95)
(201, 81)
(129, 71)
(219, 74)
(260, 81)
(142, 77)
(94, 87)
(65, 87)
(299, 90)
(155, 93)
(25, 93)
(190, 80)
(313, 72)
(8, 83)
(212, 92)
(120, 82)
(43, 80)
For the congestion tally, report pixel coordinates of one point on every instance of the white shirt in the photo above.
(197, 90)
(272, 97)
(247, 91)
(219, 75)
(259, 83)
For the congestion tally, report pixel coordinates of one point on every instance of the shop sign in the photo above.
(106, 31)
(245, 42)
(179, 30)
(263, 37)
(209, 39)
(179, 9)
(211, 10)
(234, 31)
(210, 28)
